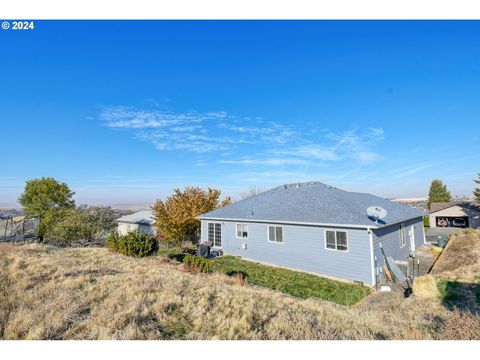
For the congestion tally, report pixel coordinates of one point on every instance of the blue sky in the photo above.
(123, 111)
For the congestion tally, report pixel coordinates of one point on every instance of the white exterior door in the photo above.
(411, 236)
(215, 233)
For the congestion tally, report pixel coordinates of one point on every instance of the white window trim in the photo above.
(335, 231)
(208, 238)
(236, 232)
(268, 235)
(403, 240)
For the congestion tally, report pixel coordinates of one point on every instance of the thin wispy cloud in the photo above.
(366, 156)
(330, 146)
(316, 152)
(167, 130)
(286, 176)
(268, 162)
(248, 141)
(410, 170)
(195, 131)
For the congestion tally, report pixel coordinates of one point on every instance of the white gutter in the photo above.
(310, 223)
(291, 222)
(372, 258)
(401, 221)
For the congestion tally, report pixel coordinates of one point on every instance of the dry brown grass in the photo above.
(460, 325)
(51, 293)
(460, 259)
(6, 248)
(425, 287)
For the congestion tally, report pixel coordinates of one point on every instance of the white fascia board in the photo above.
(291, 222)
(400, 221)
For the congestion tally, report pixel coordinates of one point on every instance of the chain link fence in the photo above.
(18, 229)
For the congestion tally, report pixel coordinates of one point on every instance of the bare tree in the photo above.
(251, 192)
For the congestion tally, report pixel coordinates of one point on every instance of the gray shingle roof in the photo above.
(313, 202)
(140, 217)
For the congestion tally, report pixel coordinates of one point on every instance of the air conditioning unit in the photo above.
(244, 246)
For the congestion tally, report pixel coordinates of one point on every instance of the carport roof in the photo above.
(434, 207)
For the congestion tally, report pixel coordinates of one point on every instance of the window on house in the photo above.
(211, 232)
(336, 240)
(242, 231)
(331, 243)
(403, 239)
(341, 240)
(215, 233)
(275, 234)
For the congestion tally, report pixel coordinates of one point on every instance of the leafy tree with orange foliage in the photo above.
(175, 219)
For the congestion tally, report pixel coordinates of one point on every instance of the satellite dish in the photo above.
(376, 212)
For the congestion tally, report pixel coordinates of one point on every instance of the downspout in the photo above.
(372, 259)
(424, 237)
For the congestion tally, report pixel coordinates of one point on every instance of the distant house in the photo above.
(139, 221)
(316, 228)
(455, 214)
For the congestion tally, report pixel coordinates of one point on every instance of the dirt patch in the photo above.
(383, 301)
(424, 260)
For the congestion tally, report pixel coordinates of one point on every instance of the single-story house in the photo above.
(316, 228)
(140, 221)
(455, 214)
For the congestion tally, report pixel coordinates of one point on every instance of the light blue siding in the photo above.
(419, 233)
(389, 236)
(303, 248)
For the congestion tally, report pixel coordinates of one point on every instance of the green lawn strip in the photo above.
(291, 282)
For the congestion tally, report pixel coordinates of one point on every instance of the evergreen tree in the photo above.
(476, 192)
(438, 192)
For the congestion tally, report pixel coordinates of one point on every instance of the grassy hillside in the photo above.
(457, 272)
(460, 259)
(51, 293)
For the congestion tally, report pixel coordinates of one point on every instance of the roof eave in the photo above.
(135, 222)
(355, 226)
(401, 221)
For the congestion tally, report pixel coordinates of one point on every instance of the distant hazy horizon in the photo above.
(136, 205)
